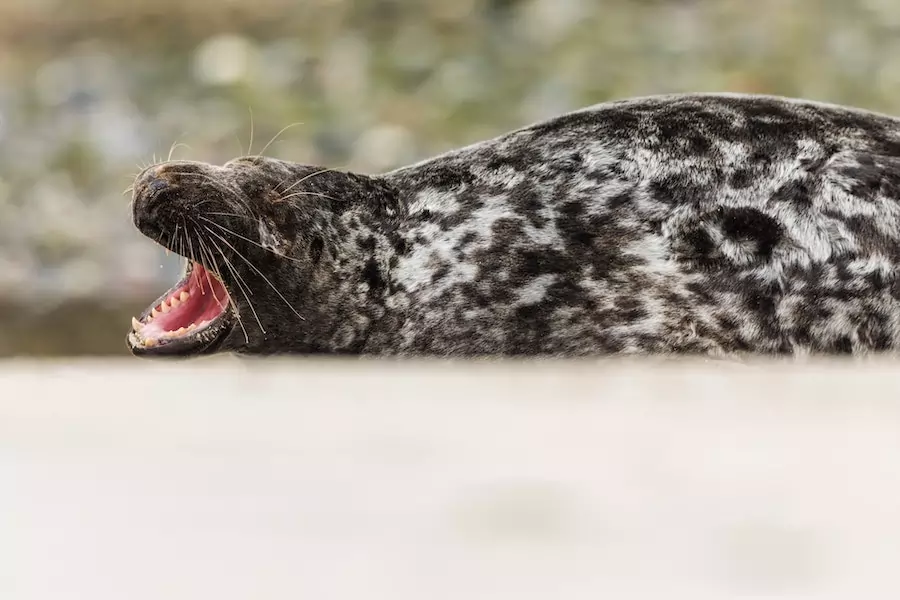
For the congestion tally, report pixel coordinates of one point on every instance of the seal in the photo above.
(710, 224)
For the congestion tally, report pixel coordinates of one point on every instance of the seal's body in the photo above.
(710, 224)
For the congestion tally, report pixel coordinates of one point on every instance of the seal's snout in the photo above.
(149, 192)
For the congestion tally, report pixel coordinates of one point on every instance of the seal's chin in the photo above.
(189, 319)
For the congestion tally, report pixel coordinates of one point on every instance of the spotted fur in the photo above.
(689, 224)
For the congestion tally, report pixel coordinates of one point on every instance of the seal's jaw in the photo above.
(190, 319)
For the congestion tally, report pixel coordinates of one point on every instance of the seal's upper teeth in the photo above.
(165, 307)
(174, 301)
(154, 313)
(135, 324)
(184, 296)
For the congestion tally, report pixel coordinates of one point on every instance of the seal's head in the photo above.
(281, 257)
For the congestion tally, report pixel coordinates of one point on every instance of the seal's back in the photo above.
(716, 224)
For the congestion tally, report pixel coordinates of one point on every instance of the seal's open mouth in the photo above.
(186, 319)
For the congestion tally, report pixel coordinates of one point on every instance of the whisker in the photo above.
(242, 202)
(283, 129)
(193, 257)
(258, 272)
(239, 280)
(194, 174)
(278, 254)
(174, 146)
(236, 313)
(241, 285)
(182, 242)
(302, 179)
(229, 263)
(250, 147)
(215, 272)
(228, 214)
(175, 239)
(319, 194)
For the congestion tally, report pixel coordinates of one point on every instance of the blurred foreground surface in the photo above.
(232, 480)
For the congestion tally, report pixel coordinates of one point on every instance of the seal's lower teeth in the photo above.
(184, 311)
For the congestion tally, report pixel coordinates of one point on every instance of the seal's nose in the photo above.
(147, 199)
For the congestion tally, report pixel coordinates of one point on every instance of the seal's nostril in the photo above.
(157, 185)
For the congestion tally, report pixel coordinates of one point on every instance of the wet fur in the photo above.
(708, 224)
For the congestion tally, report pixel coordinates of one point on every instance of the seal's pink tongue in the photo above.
(201, 299)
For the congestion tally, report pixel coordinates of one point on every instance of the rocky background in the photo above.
(90, 90)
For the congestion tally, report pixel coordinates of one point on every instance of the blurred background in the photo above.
(90, 90)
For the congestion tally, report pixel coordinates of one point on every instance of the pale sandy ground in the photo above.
(221, 480)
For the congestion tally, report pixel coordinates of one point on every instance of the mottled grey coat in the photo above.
(712, 224)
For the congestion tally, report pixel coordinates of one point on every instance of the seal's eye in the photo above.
(315, 249)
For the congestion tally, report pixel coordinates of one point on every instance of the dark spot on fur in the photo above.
(750, 224)
(727, 323)
(400, 246)
(631, 309)
(699, 243)
(372, 276)
(447, 176)
(367, 243)
(440, 272)
(761, 300)
(814, 164)
(527, 202)
(572, 226)
(699, 145)
(877, 280)
(871, 238)
(621, 199)
(451, 221)
(873, 176)
(570, 163)
(678, 190)
(794, 192)
(467, 238)
(875, 332)
(541, 261)
(741, 178)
